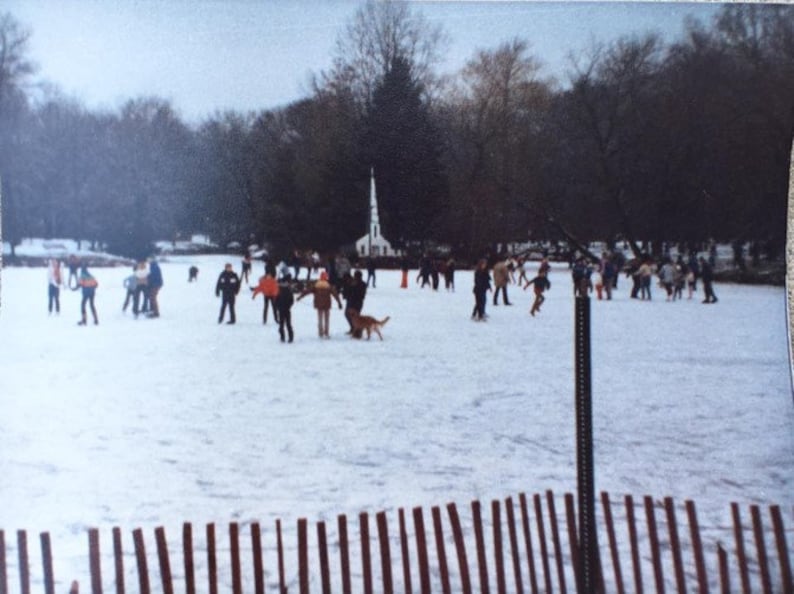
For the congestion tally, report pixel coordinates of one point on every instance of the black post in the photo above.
(587, 582)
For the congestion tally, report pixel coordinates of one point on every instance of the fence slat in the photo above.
(741, 557)
(303, 555)
(118, 560)
(496, 520)
(440, 550)
(22, 554)
(385, 552)
(760, 546)
(325, 564)
(533, 578)
(782, 549)
(613, 542)
(555, 538)
(94, 561)
(544, 552)
(460, 548)
(282, 579)
(46, 558)
(697, 548)
(366, 557)
(344, 554)
(675, 545)
(234, 545)
(187, 558)
(725, 576)
(653, 537)
(140, 556)
(635, 547)
(421, 551)
(482, 562)
(212, 560)
(404, 548)
(512, 533)
(259, 565)
(165, 564)
(573, 538)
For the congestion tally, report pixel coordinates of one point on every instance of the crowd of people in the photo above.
(337, 280)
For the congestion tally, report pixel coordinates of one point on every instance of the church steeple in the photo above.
(374, 223)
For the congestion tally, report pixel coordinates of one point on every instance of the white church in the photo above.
(373, 243)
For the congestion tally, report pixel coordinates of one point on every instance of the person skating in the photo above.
(482, 284)
(501, 278)
(129, 283)
(88, 284)
(323, 292)
(74, 265)
(707, 276)
(371, 268)
(245, 271)
(192, 274)
(227, 287)
(268, 287)
(140, 301)
(539, 284)
(283, 305)
(54, 283)
(155, 283)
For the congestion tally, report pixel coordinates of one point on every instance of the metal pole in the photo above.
(587, 582)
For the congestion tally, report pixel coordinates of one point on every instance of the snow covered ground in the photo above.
(141, 423)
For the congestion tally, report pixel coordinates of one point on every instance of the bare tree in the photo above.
(379, 33)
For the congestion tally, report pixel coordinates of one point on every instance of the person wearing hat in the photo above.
(227, 287)
(323, 291)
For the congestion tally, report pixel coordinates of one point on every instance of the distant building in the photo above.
(373, 243)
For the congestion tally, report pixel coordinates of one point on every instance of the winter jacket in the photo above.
(130, 282)
(155, 275)
(285, 298)
(228, 284)
(323, 292)
(354, 294)
(501, 274)
(482, 281)
(54, 274)
(267, 286)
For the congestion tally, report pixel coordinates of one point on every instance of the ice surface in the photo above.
(142, 423)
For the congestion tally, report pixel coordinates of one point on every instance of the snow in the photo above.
(145, 423)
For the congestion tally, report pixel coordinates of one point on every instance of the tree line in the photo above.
(646, 141)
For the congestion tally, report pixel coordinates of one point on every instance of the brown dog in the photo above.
(367, 324)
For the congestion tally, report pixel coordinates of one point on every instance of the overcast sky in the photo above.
(210, 55)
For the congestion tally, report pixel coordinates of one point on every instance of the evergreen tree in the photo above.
(402, 144)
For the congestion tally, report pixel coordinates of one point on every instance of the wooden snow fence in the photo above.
(518, 545)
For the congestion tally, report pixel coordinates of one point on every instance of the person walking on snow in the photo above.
(227, 287)
(283, 305)
(89, 285)
(268, 287)
(54, 282)
(323, 292)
